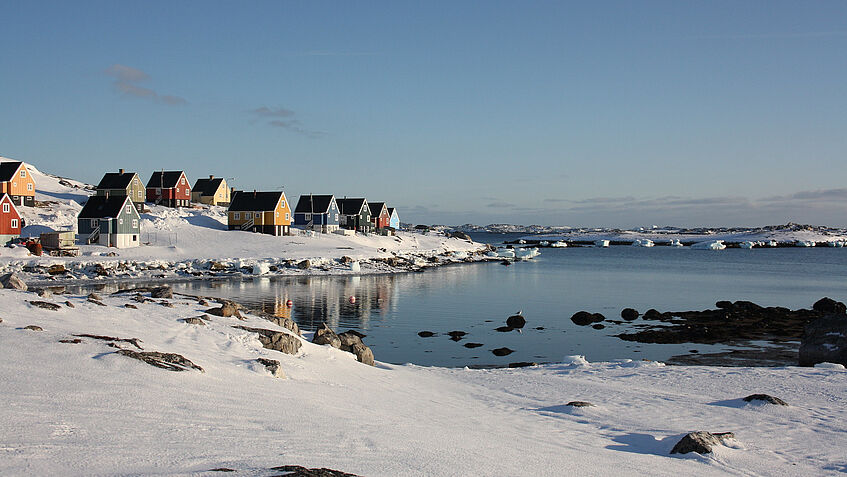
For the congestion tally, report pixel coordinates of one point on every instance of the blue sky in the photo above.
(563, 113)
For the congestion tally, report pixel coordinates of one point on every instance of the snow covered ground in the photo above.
(82, 409)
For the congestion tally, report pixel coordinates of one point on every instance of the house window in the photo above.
(134, 223)
(276, 214)
(182, 181)
(6, 208)
(287, 217)
(158, 191)
(139, 194)
(177, 190)
(120, 221)
(29, 187)
(236, 216)
(336, 217)
(94, 223)
(128, 209)
(23, 173)
(14, 223)
(283, 204)
(135, 238)
(308, 216)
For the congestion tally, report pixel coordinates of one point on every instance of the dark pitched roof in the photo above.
(376, 207)
(100, 206)
(254, 201)
(391, 211)
(165, 180)
(207, 186)
(8, 169)
(313, 204)
(116, 180)
(350, 206)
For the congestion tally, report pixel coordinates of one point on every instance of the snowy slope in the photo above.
(81, 409)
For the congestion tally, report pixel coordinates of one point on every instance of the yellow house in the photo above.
(213, 191)
(17, 181)
(264, 212)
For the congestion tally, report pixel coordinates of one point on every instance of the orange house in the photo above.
(265, 212)
(17, 181)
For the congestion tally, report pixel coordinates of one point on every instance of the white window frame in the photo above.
(129, 208)
(308, 217)
(287, 217)
(94, 223)
(182, 181)
(29, 186)
(134, 223)
(236, 216)
(14, 223)
(121, 221)
(283, 204)
(6, 208)
(23, 172)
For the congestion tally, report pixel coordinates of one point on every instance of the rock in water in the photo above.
(12, 280)
(825, 341)
(700, 442)
(516, 321)
(765, 398)
(456, 335)
(472, 345)
(324, 336)
(426, 334)
(502, 351)
(829, 306)
(629, 314)
(503, 329)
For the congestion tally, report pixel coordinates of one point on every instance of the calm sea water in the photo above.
(476, 298)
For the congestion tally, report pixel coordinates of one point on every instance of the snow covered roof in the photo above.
(255, 201)
(207, 186)
(165, 180)
(99, 206)
(116, 180)
(8, 169)
(313, 204)
(350, 206)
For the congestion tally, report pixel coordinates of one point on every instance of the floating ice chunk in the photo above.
(261, 269)
(675, 243)
(747, 245)
(601, 243)
(575, 360)
(355, 266)
(559, 244)
(804, 243)
(544, 243)
(773, 243)
(643, 243)
(521, 241)
(507, 253)
(709, 245)
(527, 253)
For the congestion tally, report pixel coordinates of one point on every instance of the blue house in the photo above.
(316, 212)
(394, 219)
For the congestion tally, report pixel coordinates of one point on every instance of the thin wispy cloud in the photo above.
(126, 79)
(282, 118)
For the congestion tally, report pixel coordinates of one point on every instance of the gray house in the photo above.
(316, 212)
(354, 215)
(110, 221)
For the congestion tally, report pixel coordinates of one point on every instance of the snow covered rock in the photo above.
(767, 398)
(325, 335)
(273, 366)
(11, 280)
(709, 245)
(700, 442)
(643, 243)
(169, 361)
(226, 310)
(275, 340)
(162, 292)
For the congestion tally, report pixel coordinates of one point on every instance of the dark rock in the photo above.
(502, 351)
(582, 318)
(426, 334)
(130, 305)
(504, 329)
(345, 260)
(202, 302)
(162, 292)
(140, 298)
(825, 341)
(168, 361)
(766, 398)
(69, 304)
(348, 340)
(579, 404)
(216, 266)
(473, 345)
(273, 366)
(12, 280)
(166, 304)
(57, 269)
(629, 314)
(275, 340)
(325, 335)
(33, 328)
(652, 314)
(45, 305)
(94, 296)
(516, 321)
(299, 471)
(829, 306)
(597, 317)
(44, 293)
(71, 341)
(196, 320)
(286, 323)
(505, 262)
(456, 335)
(700, 442)
(363, 354)
(724, 304)
(598, 326)
(522, 364)
(96, 302)
(460, 235)
(540, 328)
(132, 341)
(304, 265)
(222, 469)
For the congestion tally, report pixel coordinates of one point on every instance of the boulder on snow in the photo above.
(460, 235)
(216, 266)
(286, 323)
(12, 280)
(169, 361)
(765, 398)
(45, 305)
(33, 328)
(325, 335)
(196, 320)
(162, 292)
(273, 366)
(226, 310)
(824, 341)
(57, 269)
(579, 404)
(305, 264)
(700, 442)
(363, 354)
(275, 340)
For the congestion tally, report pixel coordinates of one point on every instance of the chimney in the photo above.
(211, 177)
(121, 171)
(254, 193)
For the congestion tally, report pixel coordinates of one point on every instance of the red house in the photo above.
(379, 215)
(169, 188)
(10, 220)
